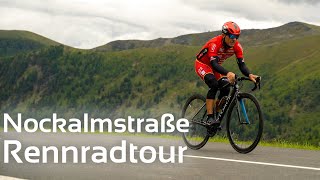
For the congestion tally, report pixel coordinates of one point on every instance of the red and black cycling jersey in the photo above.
(215, 47)
(214, 53)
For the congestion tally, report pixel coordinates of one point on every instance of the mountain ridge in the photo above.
(249, 37)
(14, 42)
(22, 34)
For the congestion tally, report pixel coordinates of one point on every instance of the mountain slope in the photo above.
(13, 42)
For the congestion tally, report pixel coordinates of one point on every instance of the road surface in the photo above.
(214, 161)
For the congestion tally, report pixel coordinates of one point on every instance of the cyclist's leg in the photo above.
(211, 101)
(212, 83)
(206, 74)
(224, 86)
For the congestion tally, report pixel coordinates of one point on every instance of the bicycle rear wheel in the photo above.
(195, 111)
(244, 123)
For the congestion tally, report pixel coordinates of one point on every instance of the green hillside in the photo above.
(290, 95)
(14, 42)
(147, 82)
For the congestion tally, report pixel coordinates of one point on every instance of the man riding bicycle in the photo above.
(208, 65)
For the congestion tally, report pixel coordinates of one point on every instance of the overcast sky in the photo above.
(91, 23)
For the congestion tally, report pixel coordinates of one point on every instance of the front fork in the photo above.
(240, 102)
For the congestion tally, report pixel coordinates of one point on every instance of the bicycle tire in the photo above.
(204, 139)
(260, 126)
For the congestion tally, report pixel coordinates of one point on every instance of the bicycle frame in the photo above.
(231, 97)
(235, 102)
(234, 92)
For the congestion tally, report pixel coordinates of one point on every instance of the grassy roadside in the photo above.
(9, 129)
(274, 143)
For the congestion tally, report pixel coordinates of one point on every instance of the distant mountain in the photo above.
(13, 42)
(249, 37)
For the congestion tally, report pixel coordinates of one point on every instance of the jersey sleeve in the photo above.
(238, 50)
(212, 50)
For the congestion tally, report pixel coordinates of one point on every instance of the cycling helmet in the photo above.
(231, 28)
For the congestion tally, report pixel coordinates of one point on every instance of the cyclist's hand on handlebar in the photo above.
(253, 77)
(231, 77)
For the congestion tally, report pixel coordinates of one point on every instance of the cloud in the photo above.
(312, 2)
(263, 10)
(87, 24)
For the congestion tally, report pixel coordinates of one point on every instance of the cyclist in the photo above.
(208, 65)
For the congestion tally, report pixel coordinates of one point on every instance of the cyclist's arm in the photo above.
(216, 66)
(242, 66)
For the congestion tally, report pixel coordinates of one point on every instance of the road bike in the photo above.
(244, 120)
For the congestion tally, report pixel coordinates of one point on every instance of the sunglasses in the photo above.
(232, 36)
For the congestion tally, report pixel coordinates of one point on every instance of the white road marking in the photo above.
(8, 178)
(254, 162)
(244, 161)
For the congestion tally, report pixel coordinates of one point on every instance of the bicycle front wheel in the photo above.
(244, 123)
(195, 111)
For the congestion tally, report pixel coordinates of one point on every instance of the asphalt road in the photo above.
(214, 161)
